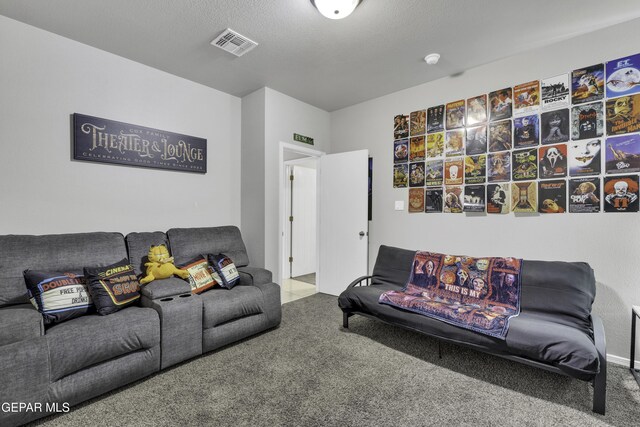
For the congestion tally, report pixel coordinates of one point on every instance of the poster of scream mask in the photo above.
(552, 161)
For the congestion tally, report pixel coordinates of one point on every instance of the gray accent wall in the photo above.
(44, 79)
(609, 242)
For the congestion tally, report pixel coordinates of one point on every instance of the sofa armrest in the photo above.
(20, 322)
(254, 276)
(165, 288)
(359, 280)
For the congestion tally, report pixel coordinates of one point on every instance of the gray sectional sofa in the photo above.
(555, 331)
(87, 356)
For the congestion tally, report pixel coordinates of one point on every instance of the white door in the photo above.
(342, 223)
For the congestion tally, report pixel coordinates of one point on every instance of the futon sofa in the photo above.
(555, 330)
(48, 369)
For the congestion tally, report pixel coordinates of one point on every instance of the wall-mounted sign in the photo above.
(109, 141)
(302, 138)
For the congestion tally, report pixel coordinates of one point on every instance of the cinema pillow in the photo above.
(113, 287)
(201, 278)
(226, 269)
(58, 296)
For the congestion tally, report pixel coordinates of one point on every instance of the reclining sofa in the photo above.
(81, 358)
(555, 330)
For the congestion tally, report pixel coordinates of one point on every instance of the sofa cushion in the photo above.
(56, 252)
(138, 245)
(226, 270)
(58, 296)
(187, 243)
(254, 276)
(20, 322)
(575, 357)
(112, 287)
(540, 337)
(92, 339)
(224, 305)
(165, 288)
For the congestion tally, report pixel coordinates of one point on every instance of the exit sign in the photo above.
(302, 138)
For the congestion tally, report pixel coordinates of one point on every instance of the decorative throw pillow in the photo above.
(226, 269)
(113, 287)
(200, 277)
(58, 296)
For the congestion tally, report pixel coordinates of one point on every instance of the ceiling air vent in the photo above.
(233, 42)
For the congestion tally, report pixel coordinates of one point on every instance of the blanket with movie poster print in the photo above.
(480, 294)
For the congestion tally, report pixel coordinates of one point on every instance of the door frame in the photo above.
(282, 179)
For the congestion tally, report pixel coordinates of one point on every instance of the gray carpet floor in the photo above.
(311, 372)
(307, 278)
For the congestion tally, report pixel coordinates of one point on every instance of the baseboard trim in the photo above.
(623, 361)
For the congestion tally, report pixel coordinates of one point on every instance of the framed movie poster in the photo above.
(552, 196)
(587, 84)
(621, 193)
(584, 195)
(555, 92)
(623, 76)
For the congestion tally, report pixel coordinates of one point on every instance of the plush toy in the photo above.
(160, 265)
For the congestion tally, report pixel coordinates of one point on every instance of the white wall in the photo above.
(252, 186)
(609, 242)
(44, 78)
(283, 116)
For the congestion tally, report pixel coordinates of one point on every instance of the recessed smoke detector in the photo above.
(233, 42)
(432, 58)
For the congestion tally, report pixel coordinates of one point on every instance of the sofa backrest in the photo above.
(564, 290)
(55, 252)
(561, 291)
(138, 245)
(187, 243)
(393, 266)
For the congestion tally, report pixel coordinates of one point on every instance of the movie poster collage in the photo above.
(569, 143)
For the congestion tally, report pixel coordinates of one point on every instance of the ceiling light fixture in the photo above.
(432, 58)
(335, 9)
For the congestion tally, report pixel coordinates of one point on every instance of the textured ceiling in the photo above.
(330, 64)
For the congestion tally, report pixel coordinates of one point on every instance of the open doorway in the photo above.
(299, 222)
(300, 260)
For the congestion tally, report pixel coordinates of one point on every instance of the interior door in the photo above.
(342, 223)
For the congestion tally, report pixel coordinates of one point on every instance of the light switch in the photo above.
(399, 205)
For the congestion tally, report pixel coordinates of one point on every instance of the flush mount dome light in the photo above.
(335, 9)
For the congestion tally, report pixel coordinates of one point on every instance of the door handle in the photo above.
(361, 234)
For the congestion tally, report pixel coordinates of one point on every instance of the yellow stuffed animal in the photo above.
(160, 265)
